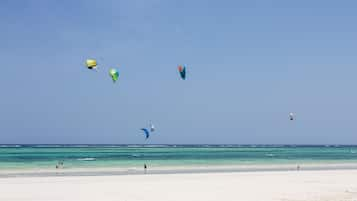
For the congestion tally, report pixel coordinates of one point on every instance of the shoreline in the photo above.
(191, 169)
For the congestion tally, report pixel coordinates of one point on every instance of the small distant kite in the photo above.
(114, 74)
(182, 71)
(291, 116)
(152, 127)
(91, 64)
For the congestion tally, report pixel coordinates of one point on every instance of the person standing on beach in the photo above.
(145, 168)
(60, 165)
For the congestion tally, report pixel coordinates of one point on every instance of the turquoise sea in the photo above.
(107, 156)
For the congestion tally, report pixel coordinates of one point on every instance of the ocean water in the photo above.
(92, 156)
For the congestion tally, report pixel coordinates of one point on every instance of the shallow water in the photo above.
(107, 156)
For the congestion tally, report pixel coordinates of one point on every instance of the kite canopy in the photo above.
(91, 64)
(114, 74)
(182, 71)
(146, 132)
(152, 127)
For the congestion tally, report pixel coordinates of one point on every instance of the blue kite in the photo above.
(146, 132)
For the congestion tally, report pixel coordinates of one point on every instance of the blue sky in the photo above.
(250, 63)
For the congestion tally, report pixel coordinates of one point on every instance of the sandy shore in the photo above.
(110, 171)
(322, 185)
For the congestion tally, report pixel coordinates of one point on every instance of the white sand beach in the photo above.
(322, 185)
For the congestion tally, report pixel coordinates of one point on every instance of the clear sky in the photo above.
(249, 63)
